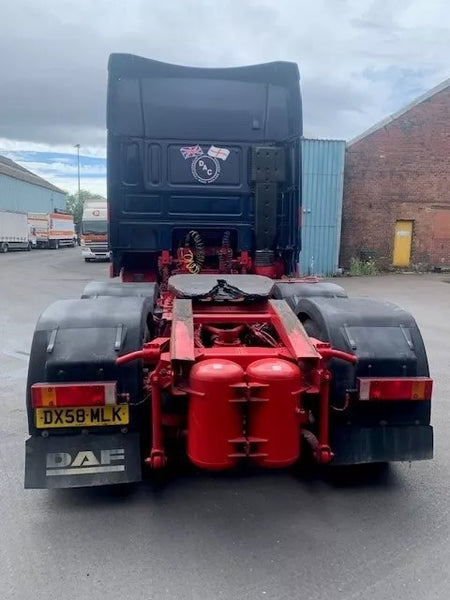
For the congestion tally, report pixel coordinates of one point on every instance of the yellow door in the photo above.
(402, 243)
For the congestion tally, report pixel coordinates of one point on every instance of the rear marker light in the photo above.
(391, 388)
(73, 394)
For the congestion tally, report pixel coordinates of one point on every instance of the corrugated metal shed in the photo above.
(23, 191)
(25, 197)
(322, 190)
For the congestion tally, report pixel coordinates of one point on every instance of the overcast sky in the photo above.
(360, 60)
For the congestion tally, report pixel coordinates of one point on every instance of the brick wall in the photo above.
(401, 171)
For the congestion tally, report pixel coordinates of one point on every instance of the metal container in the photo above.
(23, 196)
(213, 420)
(321, 214)
(274, 417)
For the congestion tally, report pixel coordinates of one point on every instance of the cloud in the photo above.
(62, 169)
(360, 60)
(14, 145)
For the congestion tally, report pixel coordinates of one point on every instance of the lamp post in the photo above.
(77, 146)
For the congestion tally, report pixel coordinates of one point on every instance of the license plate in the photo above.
(86, 416)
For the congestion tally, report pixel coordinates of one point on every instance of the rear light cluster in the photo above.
(73, 394)
(391, 388)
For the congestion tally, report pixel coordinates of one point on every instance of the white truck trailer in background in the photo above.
(14, 231)
(94, 231)
(53, 230)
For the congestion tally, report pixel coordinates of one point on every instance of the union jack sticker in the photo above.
(191, 151)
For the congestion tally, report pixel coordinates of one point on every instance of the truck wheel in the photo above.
(346, 474)
(4, 247)
(293, 293)
(387, 342)
(149, 291)
(36, 372)
(312, 329)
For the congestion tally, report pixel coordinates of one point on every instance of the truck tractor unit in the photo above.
(206, 340)
(94, 231)
(52, 230)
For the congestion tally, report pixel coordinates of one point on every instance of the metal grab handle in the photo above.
(148, 355)
(328, 353)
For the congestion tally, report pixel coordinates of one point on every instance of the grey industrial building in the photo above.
(23, 191)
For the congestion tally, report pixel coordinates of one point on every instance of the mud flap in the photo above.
(82, 460)
(353, 445)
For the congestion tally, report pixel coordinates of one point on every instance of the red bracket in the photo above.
(159, 379)
(321, 445)
(327, 352)
(150, 353)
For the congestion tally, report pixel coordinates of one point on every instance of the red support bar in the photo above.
(291, 331)
(212, 317)
(326, 352)
(157, 458)
(237, 309)
(131, 356)
(150, 353)
(323, 451)
(182, 335)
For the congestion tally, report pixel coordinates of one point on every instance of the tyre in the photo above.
(149, 291)
(4, 247)
(313, 330)
(36, 372)
(387, 343)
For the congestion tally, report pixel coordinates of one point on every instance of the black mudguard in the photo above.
(359, 445)
(295, 291)
(388, 343)
(80, 340)
(120, 289)
(67, 461)
(96, 289)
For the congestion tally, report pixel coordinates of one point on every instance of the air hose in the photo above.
(194, 258)
(226, 253)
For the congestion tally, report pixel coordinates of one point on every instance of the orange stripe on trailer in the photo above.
(61, 216)
(101, 237)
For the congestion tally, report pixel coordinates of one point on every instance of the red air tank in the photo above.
(275, 418)
(212, 419)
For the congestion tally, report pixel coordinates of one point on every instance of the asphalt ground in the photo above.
(376, 534)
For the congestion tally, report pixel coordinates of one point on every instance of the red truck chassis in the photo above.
(244, 400)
